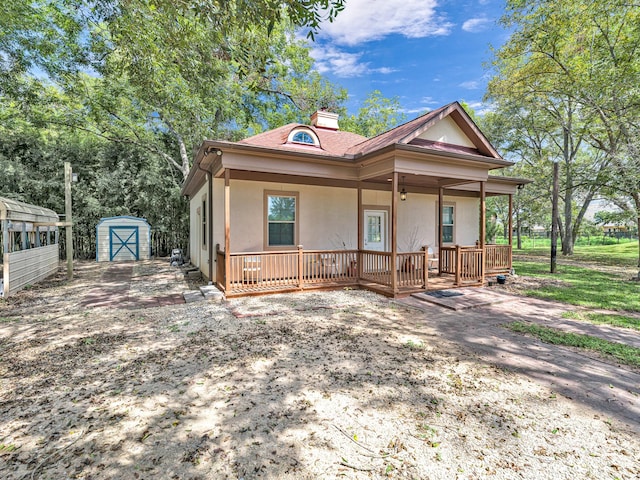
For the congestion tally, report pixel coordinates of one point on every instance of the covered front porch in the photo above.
(254, 273)
(394, 271)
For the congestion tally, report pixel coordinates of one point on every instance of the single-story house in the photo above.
(311, 206)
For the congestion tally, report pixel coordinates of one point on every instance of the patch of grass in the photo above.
(410, 344)
(585, 287)
(604, 319)
(618, 254)
(622, 353)
(8, 319)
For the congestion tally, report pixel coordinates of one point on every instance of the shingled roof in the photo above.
(349, 145)
(332, 142)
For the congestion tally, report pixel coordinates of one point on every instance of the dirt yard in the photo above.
(316, 385)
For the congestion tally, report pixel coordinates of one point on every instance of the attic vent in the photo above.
(322, 119)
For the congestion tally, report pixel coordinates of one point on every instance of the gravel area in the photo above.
(313, 385)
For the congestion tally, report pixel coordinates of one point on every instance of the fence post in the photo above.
(300, 266)
(458, 264)
(425, 273)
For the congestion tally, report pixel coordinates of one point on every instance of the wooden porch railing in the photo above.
(498, 258)
(376, 267)
(466, 263)
(287, 270)
(413, 269)
(256, 272)
(330, 266)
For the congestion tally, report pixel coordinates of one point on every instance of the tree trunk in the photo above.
(636, 201)
(567, 239)
(554, 217)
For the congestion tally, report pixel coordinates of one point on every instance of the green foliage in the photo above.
(377, 115)
(620, 352)
(566, 90)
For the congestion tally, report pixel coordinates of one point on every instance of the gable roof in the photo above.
(408, 134)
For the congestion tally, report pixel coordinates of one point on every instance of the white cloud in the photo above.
(428, 101)
(475, 25)
(366, 20)
(470, 85)
(343, 64)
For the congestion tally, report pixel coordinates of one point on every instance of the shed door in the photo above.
(124, 243)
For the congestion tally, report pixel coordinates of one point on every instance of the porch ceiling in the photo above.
(431, 184)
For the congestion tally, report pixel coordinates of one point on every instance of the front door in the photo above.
(123, 243)
(375, 230)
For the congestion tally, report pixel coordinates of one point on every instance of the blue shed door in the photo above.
(124, 243)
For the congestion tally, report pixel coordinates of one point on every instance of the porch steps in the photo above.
(463, 298)
(205, 292)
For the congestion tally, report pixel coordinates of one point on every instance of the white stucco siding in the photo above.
(327, 216)
(467, 219)
(447, 131)
(198, 252)
(417, 222)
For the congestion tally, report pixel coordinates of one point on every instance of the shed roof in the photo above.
(24, 212)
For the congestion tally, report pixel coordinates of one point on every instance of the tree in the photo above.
(140, 71)
(377, 115)
(559, 62)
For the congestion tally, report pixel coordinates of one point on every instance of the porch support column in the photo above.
(209, 234)
(360, 231)
(394, 232)
(440, 207)
(483, 216)
(510, 231)
(5, 236)
(483, 228)
(511, 219)
(227, 230)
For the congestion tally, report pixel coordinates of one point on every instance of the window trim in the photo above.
(203, 219)
(296, 223)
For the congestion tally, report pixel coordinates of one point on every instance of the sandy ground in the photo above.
(342, 384)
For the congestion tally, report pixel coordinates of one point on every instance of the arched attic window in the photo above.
(303, 136)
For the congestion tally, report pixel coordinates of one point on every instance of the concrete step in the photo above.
(206, 292)
(192, 296)
(211, 293)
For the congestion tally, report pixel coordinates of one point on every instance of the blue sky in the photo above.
(426, 52)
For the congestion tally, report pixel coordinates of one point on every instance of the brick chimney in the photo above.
(322, 119)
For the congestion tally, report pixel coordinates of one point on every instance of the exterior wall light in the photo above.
(403, 192)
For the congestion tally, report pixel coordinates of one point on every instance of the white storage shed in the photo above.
(120, 239)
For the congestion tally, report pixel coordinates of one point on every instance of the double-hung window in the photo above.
(448, 218)
(282, 215)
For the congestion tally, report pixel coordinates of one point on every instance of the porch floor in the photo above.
(434, 283)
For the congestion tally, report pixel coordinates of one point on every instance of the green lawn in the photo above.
(604, 319)
(622, 353)
(621, 254)
(584, 287)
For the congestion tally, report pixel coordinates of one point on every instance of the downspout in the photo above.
(210, 210)
(209, 218)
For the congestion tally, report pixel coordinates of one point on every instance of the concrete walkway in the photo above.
(611, 390)
(128, 285)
